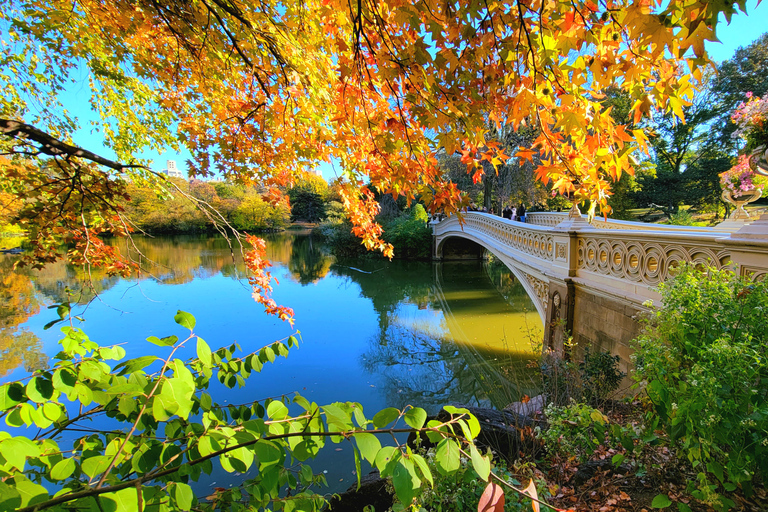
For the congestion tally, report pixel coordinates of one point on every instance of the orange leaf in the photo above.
(492, 499)
(531, 491)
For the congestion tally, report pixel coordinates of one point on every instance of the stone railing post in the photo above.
(561, 303)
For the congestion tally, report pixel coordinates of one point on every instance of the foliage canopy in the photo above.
(259, 91)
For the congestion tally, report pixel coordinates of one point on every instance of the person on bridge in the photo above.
(521, 212)
(507, 212)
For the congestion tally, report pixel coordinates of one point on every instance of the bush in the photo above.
(702, 357)
(410, 235)
(575, 430)
(591, 381)
(600, 376)
(460, 490)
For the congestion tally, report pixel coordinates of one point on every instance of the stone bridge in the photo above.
(593, 280)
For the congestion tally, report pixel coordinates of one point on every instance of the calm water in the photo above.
(376, 332)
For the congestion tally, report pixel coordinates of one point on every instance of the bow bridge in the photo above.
(592, 280)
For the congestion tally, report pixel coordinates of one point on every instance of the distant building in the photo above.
(171, 169)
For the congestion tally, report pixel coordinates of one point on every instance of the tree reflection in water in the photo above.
(18, 301)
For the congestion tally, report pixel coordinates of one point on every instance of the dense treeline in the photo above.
(242, 207)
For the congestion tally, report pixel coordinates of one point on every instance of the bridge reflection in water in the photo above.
(482, 351)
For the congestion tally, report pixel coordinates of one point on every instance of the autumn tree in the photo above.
(678, 145)
(258, 91)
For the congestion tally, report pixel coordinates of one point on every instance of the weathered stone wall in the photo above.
(604, 323)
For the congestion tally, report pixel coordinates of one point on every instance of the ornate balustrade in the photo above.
(611, 255)
(645, 259)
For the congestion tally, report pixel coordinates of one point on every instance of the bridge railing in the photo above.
(552, 219)
(616, 250)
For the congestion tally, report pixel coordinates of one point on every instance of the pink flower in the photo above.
(749, 94)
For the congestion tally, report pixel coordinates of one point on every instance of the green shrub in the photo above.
(410, 234)
(702, 357)
(592, 380)
(460, 490)
(575, 430)
(113, 434)
(681, 218)
(600, 376)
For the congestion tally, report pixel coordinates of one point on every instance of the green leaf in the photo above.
(661, 501)
(617, 459)
(385, 417)
(716, 469)
(369, 445)
(184, 319)
(30, 492)
(269, 454)
(204, 352)
(481, 463)
(40, 419)
(447, 456)
(39, 390)
(682, 507)
(405, 480)
(64, 380)
(95, 465)
(423, 467)
(136, 364)
(415, 417)
(63, 469)
(277, 410)
(10, 499)
(183, 495)
(126, 500)
(168, 341)
(11, 395)
(384, 457)
(338, 416)
(17, 449)
(175, 397)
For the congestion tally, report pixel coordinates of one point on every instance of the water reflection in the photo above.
(443, 332)
(18, 301)
(453, 332)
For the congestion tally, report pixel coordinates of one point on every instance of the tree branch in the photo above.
(50, 145)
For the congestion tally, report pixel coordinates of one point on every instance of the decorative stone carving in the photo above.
(560, 251)
(541, 288)
(643, 261)
(740, 214)
(515, 235)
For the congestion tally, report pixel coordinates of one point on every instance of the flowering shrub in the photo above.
(740, 178)
(752, 121)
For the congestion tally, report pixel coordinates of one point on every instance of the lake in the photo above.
(382, 333)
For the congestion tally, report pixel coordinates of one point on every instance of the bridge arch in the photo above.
(536, 286)
(597, 277)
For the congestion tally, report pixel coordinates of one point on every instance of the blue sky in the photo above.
(742, 30)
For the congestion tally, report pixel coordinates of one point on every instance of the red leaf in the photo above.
(492, 499)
